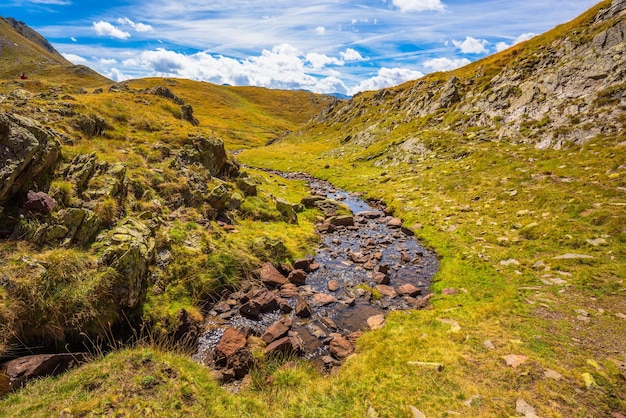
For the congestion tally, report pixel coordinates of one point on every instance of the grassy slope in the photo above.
(492, 202)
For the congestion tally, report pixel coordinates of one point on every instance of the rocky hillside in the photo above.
(560, 88)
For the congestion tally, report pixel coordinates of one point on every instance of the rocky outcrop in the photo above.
(28, 154)
(211, 154)
(129, 250)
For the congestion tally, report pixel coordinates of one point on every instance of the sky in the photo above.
(324, 46)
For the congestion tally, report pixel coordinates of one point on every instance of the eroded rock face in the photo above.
(22, 369)
(28, 153)
(129, 250)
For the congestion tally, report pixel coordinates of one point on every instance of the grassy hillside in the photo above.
(530, 301)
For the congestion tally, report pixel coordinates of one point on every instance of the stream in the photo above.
(366, 265)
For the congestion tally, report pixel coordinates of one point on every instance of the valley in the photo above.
(138, 215)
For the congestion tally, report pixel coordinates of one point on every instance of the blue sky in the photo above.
(326, 46)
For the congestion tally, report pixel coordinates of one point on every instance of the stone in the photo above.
(38, 202)
(270, 276)
(449, 291)
(340, 347)
(283, 345)
(323, 299)
(359, 257)
(28, 153)
(303, 308)
(514, 360)
(247, 186)
(409, 290)
(570, 256)
(277, 330)
(370, 214)
(387, 291)
(394, 223)
(417, 413)
(187, 329)
(297, 277)
(287, 211)
(210, 153)
(310, 201)
(333, 285)
(129, 250)
(266, 301)
(288, 290)
(231, 341)
(23, 369)
(376, 321)
(341, 220)
(489, 345)
(551, 374)
(302, 263)
(186, 111)
(250, 309)
(523, 408)
(381, 278)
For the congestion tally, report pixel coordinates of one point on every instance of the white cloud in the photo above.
(501, 46)
(103, 28)
(387, 77)
(418, 5)
(445, 64)
(139, 27)
(282, 67)
(52, 2)
(351, 55)
(105, 61)
(75, 59)
(319, 61)
(73, 39)
(471, 45)
(320, 30)
(117, 75)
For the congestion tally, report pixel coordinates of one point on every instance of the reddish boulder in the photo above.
(340, 347)
(277, 330)
(38, 202)
(22, 369)
(270, 276)
(303, 309)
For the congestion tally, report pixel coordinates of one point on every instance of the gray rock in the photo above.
(28, 154)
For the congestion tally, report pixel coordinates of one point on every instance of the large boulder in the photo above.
(129, 250)
(28, 153)
(210, 153)
(23, 369)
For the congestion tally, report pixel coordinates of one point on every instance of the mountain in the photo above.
(560, 88)
(23, 50)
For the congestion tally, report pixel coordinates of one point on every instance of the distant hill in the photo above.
(23, 50)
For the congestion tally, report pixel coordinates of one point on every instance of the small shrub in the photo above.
(108, 211)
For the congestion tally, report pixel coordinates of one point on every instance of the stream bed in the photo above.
(367, 265)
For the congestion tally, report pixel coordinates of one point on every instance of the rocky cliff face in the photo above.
(565, 86)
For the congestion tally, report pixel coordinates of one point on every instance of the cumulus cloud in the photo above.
(472, 45)
(445, 64)
(282, 67)
(73, 39)
(418, 5)
(319, 61)
(320, 30)
(75, 59)
(106, 61)
(350, 55)
(103, 28)
(139, 27)
(501, 46)
(117, 75)
(387, 77)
